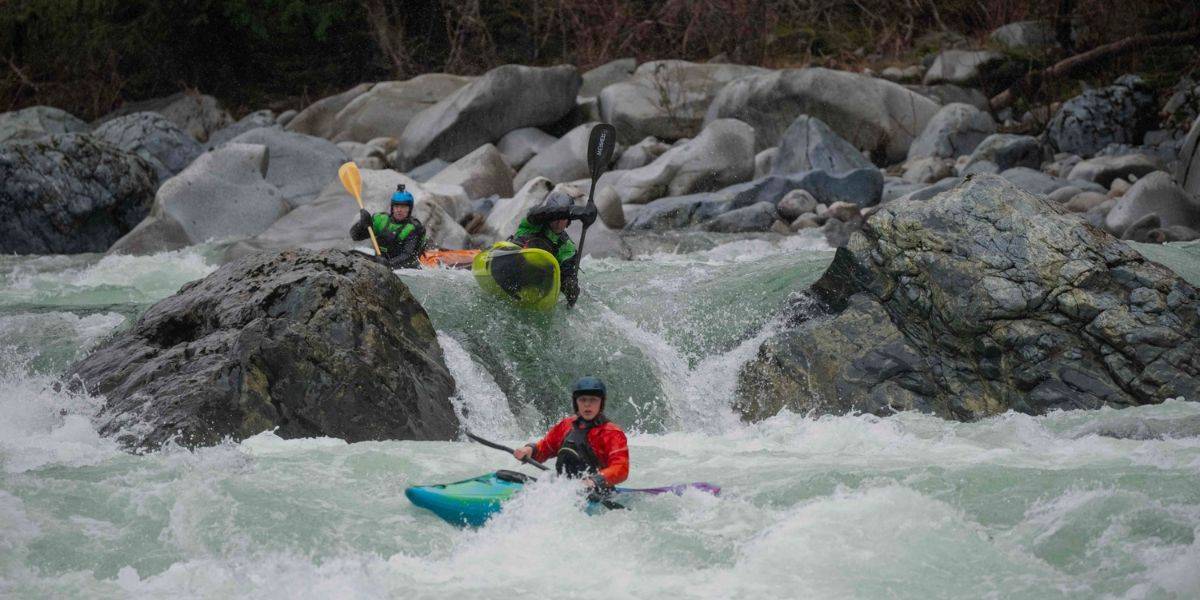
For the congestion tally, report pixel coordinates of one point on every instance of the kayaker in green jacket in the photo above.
(401, 236)
(545, 228)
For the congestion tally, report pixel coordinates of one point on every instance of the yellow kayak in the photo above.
(527, 276)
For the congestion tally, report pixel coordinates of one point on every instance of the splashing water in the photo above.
(832, 507)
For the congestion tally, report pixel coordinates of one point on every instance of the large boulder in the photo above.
(982, 300)
(303, 343)
(1187, 174)
(317, 118)
(1104, 169)
(198, 114)
(481, 112)
(508, 212)
(70, 193)
(721, 155)
(564, 160)
(299, 165)
(1154, 194)
(810, 144)
(38, 122)
(520, 145)
(481, 173)
(961, 67)
(325, 222)
(1033, 180)
(386, 108)
(666, 99)
(641, 154)
(254, 120)
(875, 115)
(956, 130)
(756, 217)
(1007, 150)
(946, 93)
(609, 73)
(151, 136)
(1120, 113)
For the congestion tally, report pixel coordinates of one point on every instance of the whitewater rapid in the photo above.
(834, 507)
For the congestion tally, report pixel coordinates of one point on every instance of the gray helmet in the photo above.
(557, 199)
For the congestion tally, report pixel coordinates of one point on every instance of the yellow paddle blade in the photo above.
(351, 180)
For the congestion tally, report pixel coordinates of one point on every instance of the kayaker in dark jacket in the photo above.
(587, 444)
(401, 236)
(545, 227)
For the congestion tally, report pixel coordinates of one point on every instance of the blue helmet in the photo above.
(400, 196)
(589, 386)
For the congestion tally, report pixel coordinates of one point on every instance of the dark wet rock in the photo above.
(979, 301)
(809, 144)
(1007, 150)
(305, 343)
(756, 217)
(70, 193)
(153, 137)
(1120, 113)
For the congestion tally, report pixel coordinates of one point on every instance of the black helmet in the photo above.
(588, 386)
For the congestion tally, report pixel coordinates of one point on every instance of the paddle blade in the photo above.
(600, 148)
(351, 180)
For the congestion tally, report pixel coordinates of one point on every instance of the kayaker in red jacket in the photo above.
(586, 444)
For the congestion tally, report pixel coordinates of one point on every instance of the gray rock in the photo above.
(1104, 169)
(1064, 194)
(364, 155)
(927, 170)
(950, 94)
(38, 122)
(1121, 113)
(756, 217)
(1188, 171)
(1085, 201)
(198, 114)
(1155, 194)
(616, 71)
(387, 108)
(809, 144)
(428, 170)
(927, 192)
(298, 342)
(878, 116)
(764, 162)
(1096, 215)
(721, 155)
(508, 212)
(481, 112)
(1007, 150)
(154, 138)
(796, 203)
(962, 67)
(1025, 35)
(641, 154)
(254, 120)
(894, 188)
(317, 118)
(666, 99)
(903, 75)
(1033, 181)
(982, 300)
(286, 117)
(70, 193)
(520, 145)
(564, 160)
(299, 165)
(955, 130)
(481, 173)
(1062, 164)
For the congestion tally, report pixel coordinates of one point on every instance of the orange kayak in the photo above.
(448, 259)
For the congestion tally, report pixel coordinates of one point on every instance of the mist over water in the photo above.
(833, 507)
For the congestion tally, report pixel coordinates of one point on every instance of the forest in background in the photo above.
(90, 56)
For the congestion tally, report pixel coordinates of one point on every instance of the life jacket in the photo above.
(576, 457)
(529, 235)
(390, 233)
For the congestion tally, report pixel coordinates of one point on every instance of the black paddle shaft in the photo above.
(601, 143)
(491, 444)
